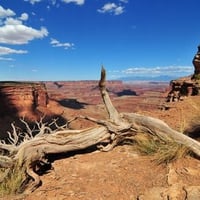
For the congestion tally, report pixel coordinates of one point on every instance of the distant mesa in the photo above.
(186, 86)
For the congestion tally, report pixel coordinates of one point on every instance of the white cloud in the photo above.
(124, 1)
(6, 51)
(6, 12)
(50, 2)
(12, 21)
(119, 10)
(150, 72)
(13, 31)
(24, 17)
(157, 70)
(33, 1)
(56, 43)
(53, 2)
(6, 59)
(20, 34)
(78, 2)
(112, 8)
(108, 7)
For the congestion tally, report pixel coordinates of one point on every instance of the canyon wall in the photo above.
(23, 98)
(19, 98)
(87, 91)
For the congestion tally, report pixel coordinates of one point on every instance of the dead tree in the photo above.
(32, 151)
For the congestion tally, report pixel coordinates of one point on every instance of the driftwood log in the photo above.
(31, 153)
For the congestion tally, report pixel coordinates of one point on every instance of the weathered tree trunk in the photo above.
(32, 151)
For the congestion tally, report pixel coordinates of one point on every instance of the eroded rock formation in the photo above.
(196, 63)
(186, 86)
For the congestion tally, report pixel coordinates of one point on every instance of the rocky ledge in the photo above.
(186, 86)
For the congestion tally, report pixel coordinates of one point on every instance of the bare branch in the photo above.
(9, 148)
(42, 128)
(29, 132)
(58, 127)
(13, 137)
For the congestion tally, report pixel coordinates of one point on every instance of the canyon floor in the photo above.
(123, 173)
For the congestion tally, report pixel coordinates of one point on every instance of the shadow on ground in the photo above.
(72, 103)
(127, 92)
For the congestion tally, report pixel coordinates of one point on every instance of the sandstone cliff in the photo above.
(186, 86)
(19, 98)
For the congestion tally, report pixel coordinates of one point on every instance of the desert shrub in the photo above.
(145, 144)
(12, 183)
(197, 76)
(171, 151)
(162, 151)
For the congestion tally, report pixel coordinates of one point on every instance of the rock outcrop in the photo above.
(17, 98)
(181, 88)
(186, 86)
(196, 63)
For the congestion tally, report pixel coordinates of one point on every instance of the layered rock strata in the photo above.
(19, 97)
(186, 86)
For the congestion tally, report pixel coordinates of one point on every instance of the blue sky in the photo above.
(71, 39)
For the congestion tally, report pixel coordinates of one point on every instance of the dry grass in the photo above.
(163, 152)
(12, 183)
